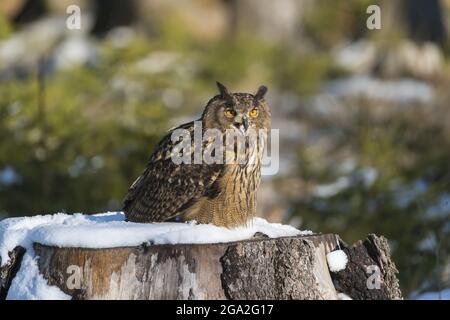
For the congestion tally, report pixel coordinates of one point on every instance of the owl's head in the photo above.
(239, 111)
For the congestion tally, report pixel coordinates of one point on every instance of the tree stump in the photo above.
(9, 270)
(259, 268)
(370, 272)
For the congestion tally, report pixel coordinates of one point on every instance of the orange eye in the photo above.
(253, 112)
(229, 113)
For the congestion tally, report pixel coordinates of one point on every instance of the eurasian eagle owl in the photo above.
(221, 193)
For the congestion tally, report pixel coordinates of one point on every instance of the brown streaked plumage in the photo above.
(221, 194)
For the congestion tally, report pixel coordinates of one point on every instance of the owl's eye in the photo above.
(253, 112)
(229, 113)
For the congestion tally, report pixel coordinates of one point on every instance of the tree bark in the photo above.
(370, 272)
(9, 270)
(259, 268)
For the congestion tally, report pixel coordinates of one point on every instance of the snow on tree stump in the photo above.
(259, 268)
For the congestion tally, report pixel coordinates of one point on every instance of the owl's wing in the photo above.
(165, 188)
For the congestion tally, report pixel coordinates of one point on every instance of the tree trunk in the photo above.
(259, 268)
(421, 20)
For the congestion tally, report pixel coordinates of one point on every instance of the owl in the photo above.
(222, 193)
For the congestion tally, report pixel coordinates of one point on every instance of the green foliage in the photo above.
(81, 151)
(301, 73)
(5, 27)
(95, 130)
(330, 24)
(408, 202)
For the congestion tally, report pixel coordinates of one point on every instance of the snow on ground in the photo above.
(401, 91)
(439, 295)
(107, 230)
(337, 260)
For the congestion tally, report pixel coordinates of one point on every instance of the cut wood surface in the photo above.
(259, 268)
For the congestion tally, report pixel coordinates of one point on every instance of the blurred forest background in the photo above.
(364, 115)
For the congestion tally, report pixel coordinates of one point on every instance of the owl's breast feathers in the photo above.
(209, 193)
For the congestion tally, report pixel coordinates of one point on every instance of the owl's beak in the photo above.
(242, 124)
(245, 123)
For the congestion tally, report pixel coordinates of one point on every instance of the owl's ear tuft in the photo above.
(262, 90)
(223, 91)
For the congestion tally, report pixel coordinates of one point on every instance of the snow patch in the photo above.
(332, 189)
(438, 295)
(29, 284)
(401, 90)
(75, 51)
(337, 260)
(109, 230)
(343, 296)
(358, 56)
